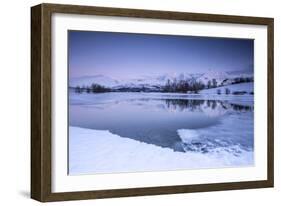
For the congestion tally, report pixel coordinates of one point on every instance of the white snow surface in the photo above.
(247, 87)
(99, 151)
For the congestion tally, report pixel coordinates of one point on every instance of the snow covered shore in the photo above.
(99, 151)
(242, 87)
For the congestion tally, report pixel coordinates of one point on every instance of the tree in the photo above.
(168, 83)
(88, 90)
(227, 91)
(83, 88)
(96, 88)
(167, 87)
(78, 89)
(214, 81)
(183, 86)
(198, 86)
(209, 84)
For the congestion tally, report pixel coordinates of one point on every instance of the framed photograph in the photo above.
(130, 102)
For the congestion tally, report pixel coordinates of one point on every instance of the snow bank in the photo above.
(247, 87)
(97, 151)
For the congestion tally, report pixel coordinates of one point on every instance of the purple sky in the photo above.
(124, 55)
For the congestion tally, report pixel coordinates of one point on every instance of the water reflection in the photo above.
(183, 104)
(154, 121)
(191, 105)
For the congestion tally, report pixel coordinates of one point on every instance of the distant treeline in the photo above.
(171, 86)
(183, 86)
(237, 80)
(94, 88)
(193, 86)
(242, 80)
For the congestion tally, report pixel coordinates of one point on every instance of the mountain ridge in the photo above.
(156, 81)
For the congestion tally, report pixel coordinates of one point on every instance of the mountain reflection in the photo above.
(157, 120)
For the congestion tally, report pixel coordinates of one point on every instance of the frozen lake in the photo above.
(182, 123)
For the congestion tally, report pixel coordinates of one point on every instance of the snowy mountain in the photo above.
(223, 78)
(89, 80)
(156, 82)
(219, 76)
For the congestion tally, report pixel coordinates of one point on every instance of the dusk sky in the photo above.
(124, 55)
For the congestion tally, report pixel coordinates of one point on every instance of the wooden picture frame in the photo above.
(41, 97)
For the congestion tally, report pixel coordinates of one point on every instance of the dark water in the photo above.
(157, 121)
